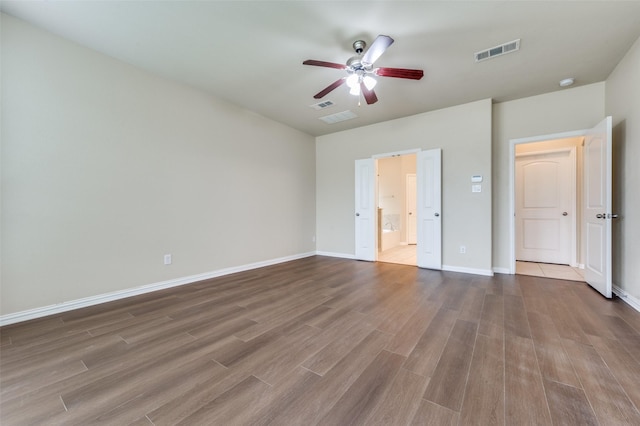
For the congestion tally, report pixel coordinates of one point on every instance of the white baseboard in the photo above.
(627, 298)
(501, 271)
(332, 254)
(474, 271)
(121, 294)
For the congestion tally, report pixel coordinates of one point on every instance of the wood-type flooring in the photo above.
(331, 341)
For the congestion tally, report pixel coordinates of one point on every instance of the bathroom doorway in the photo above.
(396, 202)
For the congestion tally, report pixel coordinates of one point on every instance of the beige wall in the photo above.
(623, 104)
(557, 112)
(464, 134)
(106, 168)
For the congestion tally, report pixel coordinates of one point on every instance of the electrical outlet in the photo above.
(167, 259)
(463, 249)
(313, 239)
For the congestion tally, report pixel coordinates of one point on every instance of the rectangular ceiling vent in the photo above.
(503, 49)
(322, 105)
(338, 117)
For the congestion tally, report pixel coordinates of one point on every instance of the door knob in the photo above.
(436, 214)
(357, 214)
(564, 213)
(410, 213)
(612, 216)
(600, 216)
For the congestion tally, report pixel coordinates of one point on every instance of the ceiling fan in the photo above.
(360, 70)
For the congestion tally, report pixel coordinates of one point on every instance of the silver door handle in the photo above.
(436, 214)
(357, 214)
(564, 213)
(600, 216)
(612, 216)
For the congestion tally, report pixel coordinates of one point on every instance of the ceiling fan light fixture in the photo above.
(369, 82)
(353, 80)
(359, 70)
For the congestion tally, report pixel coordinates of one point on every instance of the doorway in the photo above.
(546, 204)
(396, 201)
(428, 170)
(594, 188)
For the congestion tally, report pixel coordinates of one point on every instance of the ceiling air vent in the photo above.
(338, 117)
(492, 52)
(322, 105)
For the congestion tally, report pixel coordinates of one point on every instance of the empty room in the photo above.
(311, 212)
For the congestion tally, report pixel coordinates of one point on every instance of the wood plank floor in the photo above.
(332, 342)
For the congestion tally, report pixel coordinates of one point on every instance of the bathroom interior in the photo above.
(396, 209)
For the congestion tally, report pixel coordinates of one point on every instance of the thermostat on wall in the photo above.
(476, 178)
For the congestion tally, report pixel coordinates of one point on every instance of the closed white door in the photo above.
(545, 206)
(429, 209)
(597, 207)
(365, 210)
(410, 189)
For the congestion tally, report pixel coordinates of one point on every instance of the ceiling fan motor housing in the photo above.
(359, 46)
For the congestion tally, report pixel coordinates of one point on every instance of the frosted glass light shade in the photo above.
(353, 81)
(369, 82)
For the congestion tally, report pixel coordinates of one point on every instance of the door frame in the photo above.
(512, 186)
(374, 183)
(377, 157)
(573, 255)
(411, 238)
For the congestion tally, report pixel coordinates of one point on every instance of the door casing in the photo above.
(436, 265)
(512, 186)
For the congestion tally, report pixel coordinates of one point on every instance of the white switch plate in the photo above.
(476, 188)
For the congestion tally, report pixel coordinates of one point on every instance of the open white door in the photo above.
(429, 203)
(597, 207)
(365, 214)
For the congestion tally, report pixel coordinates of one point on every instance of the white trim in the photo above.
(332, 254)
(121, 294)
(497, 270)
(474, 271)
(627, 298)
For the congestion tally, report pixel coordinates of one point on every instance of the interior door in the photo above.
(597, 207)
(410, 190)
(365, 214)
(429, 208)
(544, 206)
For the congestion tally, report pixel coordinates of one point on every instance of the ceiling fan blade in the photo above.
(377, 48)
(324, 64)
(329, 88)
(369, 95)
(400, 73)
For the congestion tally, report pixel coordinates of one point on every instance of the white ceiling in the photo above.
(250, 52)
